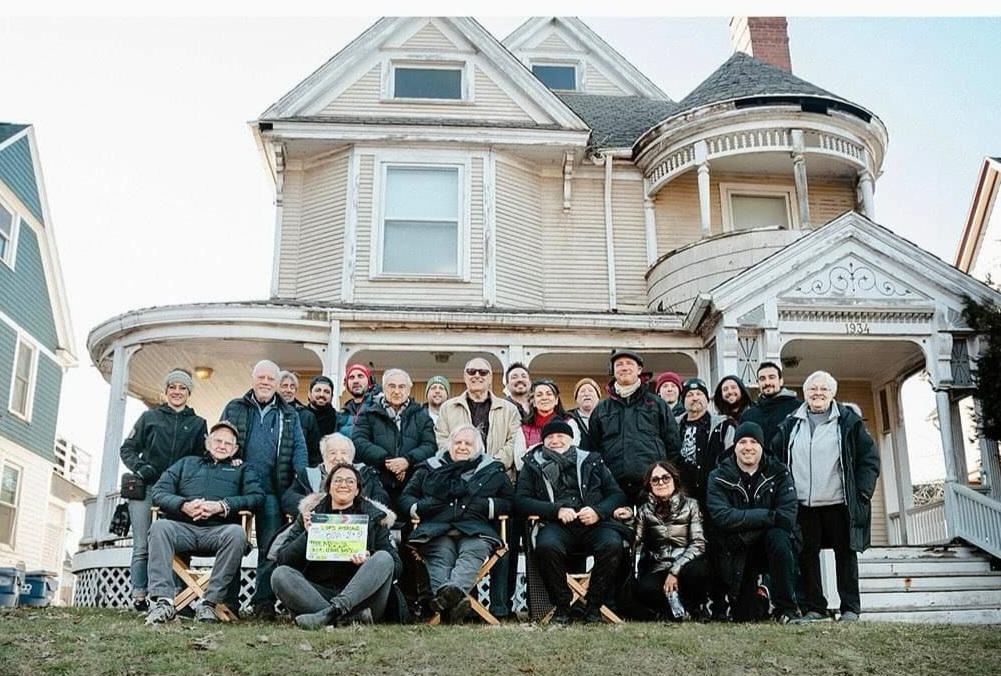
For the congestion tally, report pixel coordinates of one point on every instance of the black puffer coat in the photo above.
(161, 437)
(443, 500)
(377, 439)
(203, 478)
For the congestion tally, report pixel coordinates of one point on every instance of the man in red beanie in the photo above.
(667, 386)
(361, 386)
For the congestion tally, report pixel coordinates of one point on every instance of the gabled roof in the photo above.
(593, 44)
(19, 154)
(617, 121)
(744, 77)
(978, 217)
(308, 97)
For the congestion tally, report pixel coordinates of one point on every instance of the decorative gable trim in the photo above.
(527, 41)
(389, 35)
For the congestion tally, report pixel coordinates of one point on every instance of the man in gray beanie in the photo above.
(162, 436)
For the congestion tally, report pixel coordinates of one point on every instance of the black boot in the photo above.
(321, 618)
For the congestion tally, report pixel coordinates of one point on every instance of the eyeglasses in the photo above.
(662, 479)
(344, 481)
(478, 372)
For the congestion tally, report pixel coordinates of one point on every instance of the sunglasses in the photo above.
(663, 479)
(478, 372)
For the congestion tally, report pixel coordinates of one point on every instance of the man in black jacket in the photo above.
(201, 498)
(774, 403)
(161, 436)
(752, 504)
(574, 495)
(288, 386)
(321, 396)
(633, 428)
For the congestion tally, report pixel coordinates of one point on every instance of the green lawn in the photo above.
(84, 641)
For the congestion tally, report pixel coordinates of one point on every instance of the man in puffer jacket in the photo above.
(162, 436)
(633, 428)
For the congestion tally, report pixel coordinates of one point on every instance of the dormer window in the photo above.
(561, 77)
(437, 82)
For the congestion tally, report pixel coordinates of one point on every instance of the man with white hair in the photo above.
(288, 387)
(394, 433)
(835, 464)
(270, 434)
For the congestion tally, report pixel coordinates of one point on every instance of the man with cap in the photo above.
(752, 504)
(633, 427)
(574, 496)
(270, 434)
(162, 436)
(321, 397)
(586, 394)
(517, 387)
(360, 384)
(774, 403)
(436, 392)
(668, 387)
(288, 386)
(201, 499)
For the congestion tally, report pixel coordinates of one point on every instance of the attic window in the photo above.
(434, 82)
(556, 76)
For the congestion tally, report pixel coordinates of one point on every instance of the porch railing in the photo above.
(973, 517)
(925, 525)
(97, 518)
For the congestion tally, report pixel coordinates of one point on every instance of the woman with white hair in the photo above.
(394, 433)
(335, 449)
(456, 495)
(834, 464)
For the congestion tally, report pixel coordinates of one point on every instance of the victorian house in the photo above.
(441, 193)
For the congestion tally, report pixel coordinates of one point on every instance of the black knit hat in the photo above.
(694, 384)
(749, 429)
(554, 426)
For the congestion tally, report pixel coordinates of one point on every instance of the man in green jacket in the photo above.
(162, 436)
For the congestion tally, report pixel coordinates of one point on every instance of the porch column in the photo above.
(701, 159)
(650, 221)
(989, 458)
(799, 175)
(866, 185)
(944, 406)
(113, 432)
(958, 443)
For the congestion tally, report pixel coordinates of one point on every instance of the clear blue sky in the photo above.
(158, 194)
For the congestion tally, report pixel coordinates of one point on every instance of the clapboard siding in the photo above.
(629, 237)
(288, 262)
(362, 99)
(573, 246)
(321, 238)
(829, 199)
(429, 37)
(24, 294)
(408, 292)
(676, 208)
(597, 83)
(18, 172)
(519, 238)
(39, 435)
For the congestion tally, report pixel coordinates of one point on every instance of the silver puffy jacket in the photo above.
(669, 534)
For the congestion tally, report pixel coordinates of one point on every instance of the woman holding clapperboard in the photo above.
(338, 560)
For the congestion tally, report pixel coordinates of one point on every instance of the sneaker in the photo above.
(814, 616)
(205, 612)
(265, 611)
(849, 616)
(592, 615)
(330, 615)
(790, 618)
(161, 612)
(140, 605)
(561, 617)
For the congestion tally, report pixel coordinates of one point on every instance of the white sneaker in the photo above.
(161, 612)
(205, 613)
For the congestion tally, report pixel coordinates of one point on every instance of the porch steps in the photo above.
(949, 584)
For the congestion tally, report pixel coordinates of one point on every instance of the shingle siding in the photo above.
(39, 435)
(24, 295)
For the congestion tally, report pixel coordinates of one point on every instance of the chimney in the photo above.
(766, 38)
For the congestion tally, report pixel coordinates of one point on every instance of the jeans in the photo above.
(368, 588)
(140, 514)
(455, 561)
(166, 538)
(556, 540)
(268, 520)
(828, 527)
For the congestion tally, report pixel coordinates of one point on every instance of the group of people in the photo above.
(690, 505)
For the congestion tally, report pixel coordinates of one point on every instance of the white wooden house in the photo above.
(441, 193)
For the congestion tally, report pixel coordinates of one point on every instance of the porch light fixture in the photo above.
(203, 372)
(441, 357)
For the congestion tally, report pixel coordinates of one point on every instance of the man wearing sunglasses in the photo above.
(499, 423)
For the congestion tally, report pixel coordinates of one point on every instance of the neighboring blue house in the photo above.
(36, 345)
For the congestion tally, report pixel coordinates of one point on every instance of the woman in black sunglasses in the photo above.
(669, 535)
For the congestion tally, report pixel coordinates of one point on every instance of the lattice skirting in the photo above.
(111, 587)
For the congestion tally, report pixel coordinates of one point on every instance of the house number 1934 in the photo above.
(856, 328)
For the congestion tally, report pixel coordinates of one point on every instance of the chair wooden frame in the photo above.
(485, 569)
(196, 581)
(578, 584)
